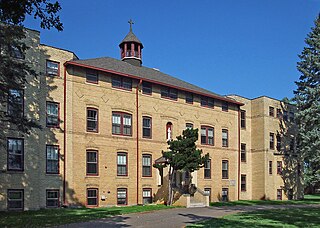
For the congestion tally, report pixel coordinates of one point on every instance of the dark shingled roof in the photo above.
(131, 37)
(144, 73)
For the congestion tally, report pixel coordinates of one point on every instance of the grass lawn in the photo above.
(298, 217)
(53, 217)
(308, 199)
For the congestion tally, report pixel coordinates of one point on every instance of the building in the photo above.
(105, 122)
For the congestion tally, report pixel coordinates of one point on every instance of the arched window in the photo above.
(169, 131)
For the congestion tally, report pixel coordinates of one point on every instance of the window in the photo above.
(279, 194)
(92, 76)
(271, 111)
(278, 142)
(122, 196)
(189, 98)
(146, 127)
(225, 106)
(52, 198)
(146, 165)
(147, 195)
(146, 88)
(15, 199)
(243, 152)
(208, 192)
(270, 167)
(169, 131)
(207, 169)
(52, 155)
(279, 114)
(52, 114)
(207, 135)
(52, 68)
(279, 167)
(291, 116)
(92, 197)
(92, 120)
(15, 151)
(225, 169)
(243, 183)
(207, 102)
(285, 115)
(225, 195)
(92, 162)
(189, 126)
(122, 167)
(225, 138)
(122, 82)
(17, 53)
(15, 103)
(271, 141)
(121, 124)
(243, 118)
(170, 93)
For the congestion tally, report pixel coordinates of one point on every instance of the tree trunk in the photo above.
(170, 186)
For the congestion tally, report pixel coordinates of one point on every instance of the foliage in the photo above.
(293, 217)
(183, 155)
(307, 99)
(55, 217)
(14, 72)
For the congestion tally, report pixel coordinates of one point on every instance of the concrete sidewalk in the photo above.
(177, 217)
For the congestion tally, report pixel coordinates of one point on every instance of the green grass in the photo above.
(309, 199)
(298, 217)
(53, 217)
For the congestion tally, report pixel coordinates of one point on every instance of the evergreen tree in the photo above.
(183, 155)
(307, 98)
(13, 70)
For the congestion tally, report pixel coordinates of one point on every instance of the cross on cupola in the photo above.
(131, 48)
(131, 23)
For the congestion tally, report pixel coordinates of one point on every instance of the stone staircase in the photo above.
(199, 199)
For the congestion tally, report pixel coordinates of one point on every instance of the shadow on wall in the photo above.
(292, 168)
(33, 178)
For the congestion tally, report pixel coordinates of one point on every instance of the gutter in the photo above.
(137, 119)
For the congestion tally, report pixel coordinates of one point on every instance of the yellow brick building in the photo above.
(105, 122)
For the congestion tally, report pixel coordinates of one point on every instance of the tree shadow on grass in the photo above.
(299, 217)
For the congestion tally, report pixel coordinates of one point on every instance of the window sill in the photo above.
(122, 177)
(89, 176)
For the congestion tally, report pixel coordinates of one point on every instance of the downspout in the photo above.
(64, 134)
(239, 151)
(137, 119)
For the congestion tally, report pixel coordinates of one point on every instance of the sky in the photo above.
(246, 47)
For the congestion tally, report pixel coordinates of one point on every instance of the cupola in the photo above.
(131, 48)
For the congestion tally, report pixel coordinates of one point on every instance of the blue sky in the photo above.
(247, 47)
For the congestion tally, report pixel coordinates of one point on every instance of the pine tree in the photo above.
(307, 98)
(183, 155)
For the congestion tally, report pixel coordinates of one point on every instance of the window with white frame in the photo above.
(121, 123)
(122, 196)
(147, 195)
(52, 155)
(52, 114)
(15, 153)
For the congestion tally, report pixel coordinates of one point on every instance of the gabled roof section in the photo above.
(115, 66)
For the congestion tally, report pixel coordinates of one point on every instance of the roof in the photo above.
(131, 37)
(123, 68)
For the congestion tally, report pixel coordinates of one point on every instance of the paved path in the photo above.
(177, 217)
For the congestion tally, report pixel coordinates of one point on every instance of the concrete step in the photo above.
(197, 205)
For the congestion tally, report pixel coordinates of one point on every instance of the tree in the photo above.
(307, 98)
(13, 71)
(183, 155)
